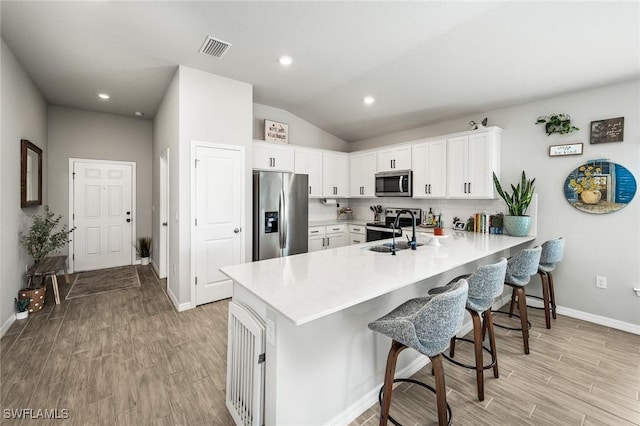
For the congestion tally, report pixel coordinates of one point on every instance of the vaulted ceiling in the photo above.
(423, 62)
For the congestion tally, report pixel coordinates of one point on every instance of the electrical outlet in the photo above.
(601, 282)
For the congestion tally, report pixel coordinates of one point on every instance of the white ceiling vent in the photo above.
(214, 47)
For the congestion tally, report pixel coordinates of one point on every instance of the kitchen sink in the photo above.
(386, 247)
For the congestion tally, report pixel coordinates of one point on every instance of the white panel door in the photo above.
(102, 215)
(218, 232)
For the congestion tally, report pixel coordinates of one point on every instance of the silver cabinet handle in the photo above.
(236, 230)
(469, 187)
(425, 189)
(309, 189)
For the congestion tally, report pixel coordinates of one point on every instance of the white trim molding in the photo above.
(174, 300)
(7, 324)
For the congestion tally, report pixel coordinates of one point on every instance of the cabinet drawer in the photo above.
(334, 229)
(357, 229)
(316, 231)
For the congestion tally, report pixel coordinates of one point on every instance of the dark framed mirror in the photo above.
(30, 174)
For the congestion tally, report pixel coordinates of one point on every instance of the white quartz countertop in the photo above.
(336, 222)
(309, 286)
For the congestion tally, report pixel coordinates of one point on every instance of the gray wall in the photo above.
(301, 132)
(23, 115)
(607, 245)
(75, 133)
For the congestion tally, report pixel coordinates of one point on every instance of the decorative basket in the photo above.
(36, 296)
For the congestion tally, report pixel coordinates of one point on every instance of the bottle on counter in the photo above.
(431, 218)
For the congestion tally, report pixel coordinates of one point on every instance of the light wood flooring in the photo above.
(128, 357)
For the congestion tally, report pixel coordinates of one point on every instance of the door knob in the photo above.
(237, 230)
(128, 220)
(164, 223)
(128, 213)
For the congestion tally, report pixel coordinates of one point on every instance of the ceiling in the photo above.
(424, 62)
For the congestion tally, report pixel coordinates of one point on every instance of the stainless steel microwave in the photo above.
(394, 184)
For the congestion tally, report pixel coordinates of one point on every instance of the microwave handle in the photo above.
(401, 177)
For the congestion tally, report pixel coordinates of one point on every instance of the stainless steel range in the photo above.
(383, 230)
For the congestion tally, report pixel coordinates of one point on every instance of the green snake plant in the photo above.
(517, 202)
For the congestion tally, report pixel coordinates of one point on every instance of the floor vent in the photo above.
(245, 366)
(214, 47)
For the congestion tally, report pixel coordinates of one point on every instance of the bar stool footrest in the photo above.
(415, 382)
(472, 367)
(510, 328)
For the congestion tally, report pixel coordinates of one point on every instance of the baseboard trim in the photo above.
(7, 324)
(155, 268)
(179, 306)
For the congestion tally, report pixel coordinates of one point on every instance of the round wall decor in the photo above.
(600, 186)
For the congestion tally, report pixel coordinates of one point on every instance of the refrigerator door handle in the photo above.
(283, 221)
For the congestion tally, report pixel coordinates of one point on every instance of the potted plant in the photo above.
(517, 223)
(143, 248)
(22, 306)
(556, 123)
(45, 236)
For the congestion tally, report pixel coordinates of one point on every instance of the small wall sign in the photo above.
(276, 132)
(570, 149)
(610, 130)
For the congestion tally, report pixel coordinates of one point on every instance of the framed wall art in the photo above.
(609, 130)
(569, 149)
(276, 132)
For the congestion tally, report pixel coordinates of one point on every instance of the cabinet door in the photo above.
(309, 162)
(357, 234)
(274, 157)
(336, 240)
(480, 166)
(282, 158)
(261, 157)
(385, 160)
(419, 160)
(437, 168)
(335, 174)
(316, 244)
(402, 158)
(457, 167)
(362, 171)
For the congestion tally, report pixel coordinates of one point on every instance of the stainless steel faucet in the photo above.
(393, 244)
(413, 243)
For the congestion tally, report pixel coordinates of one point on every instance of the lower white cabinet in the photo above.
(327, 237)
(357, 234)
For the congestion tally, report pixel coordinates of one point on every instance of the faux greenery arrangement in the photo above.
(557, 123)
(42, 237)
(22, 304)
(143, 248)
(517, 202)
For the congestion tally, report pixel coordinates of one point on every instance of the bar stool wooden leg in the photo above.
(396, 348)
(477, 344)
(545, 298)
(441, 391)
(452, 347)
(56, 293)
(522, 308)
(552, 294)
(488, 324)
(513, 299)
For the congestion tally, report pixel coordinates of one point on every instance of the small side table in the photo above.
(49, 267)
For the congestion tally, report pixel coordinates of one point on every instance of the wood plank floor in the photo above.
(128, 357)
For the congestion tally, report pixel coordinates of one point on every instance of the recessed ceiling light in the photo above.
(139, 113)
(285, 60)
(369, 100)
(104, 96)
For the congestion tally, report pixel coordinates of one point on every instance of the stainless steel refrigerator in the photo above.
(280, 214)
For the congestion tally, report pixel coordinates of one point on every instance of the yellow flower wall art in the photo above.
(588, 179)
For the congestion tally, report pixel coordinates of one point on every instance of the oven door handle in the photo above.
(384, 230)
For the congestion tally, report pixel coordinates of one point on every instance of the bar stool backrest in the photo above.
(552, 252)
(522, 266)
(487, 282)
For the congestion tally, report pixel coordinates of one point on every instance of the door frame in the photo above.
(243, 186)
(70, 218)
(163, 216)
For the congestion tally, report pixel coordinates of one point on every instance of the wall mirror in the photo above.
(600, 186)
(30, 174)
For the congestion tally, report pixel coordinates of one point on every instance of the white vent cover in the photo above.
(214, 47)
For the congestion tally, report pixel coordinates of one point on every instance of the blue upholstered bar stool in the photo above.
(425, 324)
(552, 252)
(485, 284)
(520, 269)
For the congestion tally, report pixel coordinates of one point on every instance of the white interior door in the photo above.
(163, 216)
(218, 221)
(102, 214)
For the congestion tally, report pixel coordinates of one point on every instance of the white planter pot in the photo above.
(144, 260)
(22, 315)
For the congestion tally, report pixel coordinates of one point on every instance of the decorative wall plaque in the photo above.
(276, 132)
(610, 130)
(569, 149)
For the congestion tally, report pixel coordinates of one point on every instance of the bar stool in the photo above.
(520, 269)
(485, 284)
(552, 252)
(425, 324)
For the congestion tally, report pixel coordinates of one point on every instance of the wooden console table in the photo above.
(49, 267)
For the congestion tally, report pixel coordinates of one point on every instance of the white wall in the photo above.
(607, 245)
(211, 109)
(166, 135)
(23, 115)
(301, 132)
(75, 133)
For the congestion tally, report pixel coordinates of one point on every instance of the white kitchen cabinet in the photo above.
(397, 158)
(362, 174)
(335, 174)
(309, 162)
(429, 165)
(471, 161)
(272, 157)
(357, 234)
(327, 237)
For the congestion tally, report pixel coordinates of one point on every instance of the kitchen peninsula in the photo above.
(323, 365)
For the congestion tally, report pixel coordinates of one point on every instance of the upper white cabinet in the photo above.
(274, 157)
(309, 162)
(429, 165)
(397, 158)
(362, 174)
(471, 161)
(335, 174)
